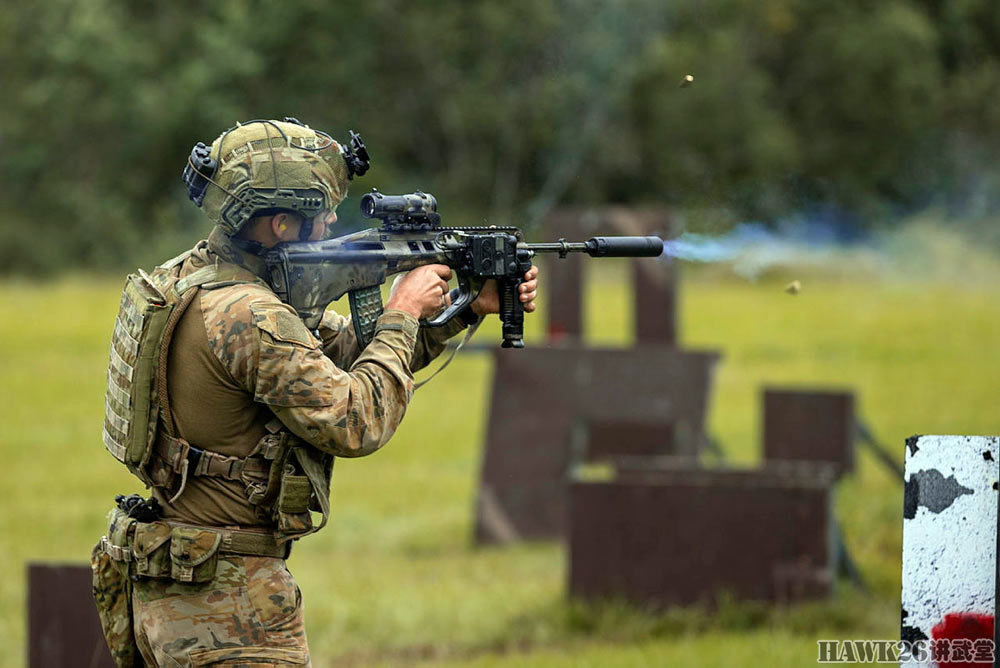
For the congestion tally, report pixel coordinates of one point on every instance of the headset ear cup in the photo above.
(198, 172)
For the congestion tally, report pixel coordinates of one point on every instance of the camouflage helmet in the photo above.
(266, 166)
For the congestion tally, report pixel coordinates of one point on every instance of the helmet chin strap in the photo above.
(306, 230)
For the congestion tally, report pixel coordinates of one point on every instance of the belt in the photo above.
(244, 542)
(253, 543)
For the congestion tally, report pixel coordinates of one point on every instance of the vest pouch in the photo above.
(293, 504)
(302, 493)
(194, 554)
(113, 595)
(262, 489)
(150, 551)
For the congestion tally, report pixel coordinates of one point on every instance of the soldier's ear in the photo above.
(280, 223)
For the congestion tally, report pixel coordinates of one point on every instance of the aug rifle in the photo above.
(310, 275)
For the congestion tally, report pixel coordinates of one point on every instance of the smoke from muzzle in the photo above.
(750, 248)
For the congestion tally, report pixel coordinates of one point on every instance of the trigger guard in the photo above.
(465, 298)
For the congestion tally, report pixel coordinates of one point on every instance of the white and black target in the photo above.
(950, 540)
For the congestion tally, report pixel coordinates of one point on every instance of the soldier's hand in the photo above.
(488, 300)
(422, 293)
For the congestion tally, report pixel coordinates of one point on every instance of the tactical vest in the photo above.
(285, 478)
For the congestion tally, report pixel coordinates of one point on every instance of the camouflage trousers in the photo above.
(249, 615)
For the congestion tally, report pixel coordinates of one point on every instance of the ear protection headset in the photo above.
(202, 167)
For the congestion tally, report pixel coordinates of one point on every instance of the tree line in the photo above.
(503, 110)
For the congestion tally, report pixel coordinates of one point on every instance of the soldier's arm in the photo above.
(341, 345)
(349, 413)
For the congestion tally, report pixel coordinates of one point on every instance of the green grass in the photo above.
(395, 580)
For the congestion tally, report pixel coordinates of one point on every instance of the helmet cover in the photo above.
(273, 165)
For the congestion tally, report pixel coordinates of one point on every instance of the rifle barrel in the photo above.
(602, 247)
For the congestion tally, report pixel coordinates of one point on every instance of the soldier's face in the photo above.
(321, 223)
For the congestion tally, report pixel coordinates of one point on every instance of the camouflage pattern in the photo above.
(252, 359)
(128, 401)
(273, 164)
(112, 594)
(348, 405)
(340, 341)
(249, 614)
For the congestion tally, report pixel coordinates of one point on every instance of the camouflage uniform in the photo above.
(239, 357)
(232, 410)
(250, 614)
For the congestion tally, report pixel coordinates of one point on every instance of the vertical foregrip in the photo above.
(511, 312)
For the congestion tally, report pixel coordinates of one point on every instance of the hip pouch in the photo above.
(183, 554)
(113, 593)
(136, 549)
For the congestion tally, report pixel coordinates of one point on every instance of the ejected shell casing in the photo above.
(687, 81)
(793, 288)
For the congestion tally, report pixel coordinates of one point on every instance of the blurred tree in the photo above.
(503, 109)
(795, 103)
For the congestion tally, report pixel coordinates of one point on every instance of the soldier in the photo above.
(224, 403)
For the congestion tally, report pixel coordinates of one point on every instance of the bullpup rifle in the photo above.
(310, 275)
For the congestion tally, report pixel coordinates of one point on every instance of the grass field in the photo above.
(394, 580)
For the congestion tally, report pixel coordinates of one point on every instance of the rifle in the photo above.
(310, 275)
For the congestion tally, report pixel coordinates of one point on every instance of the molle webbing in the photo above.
(141, 317)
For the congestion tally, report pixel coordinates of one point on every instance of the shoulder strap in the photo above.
(216, 276)
(163, 397)
(173, 262)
